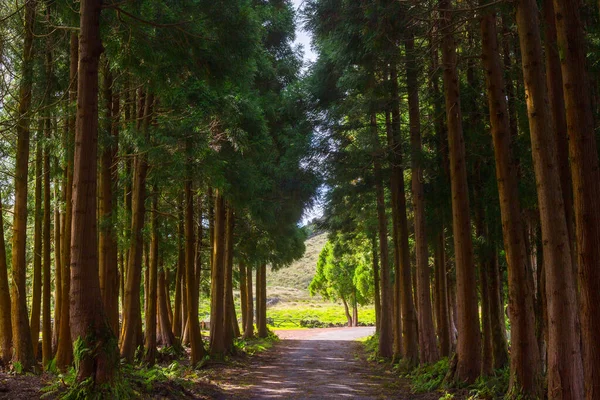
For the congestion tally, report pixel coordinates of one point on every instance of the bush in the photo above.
(429, 377)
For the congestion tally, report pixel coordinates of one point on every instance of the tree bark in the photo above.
(243, 294)
(108, 173)
(441, 295)
(36, 292)
(217, 284)
(469, 339)
(46, 265)
(525, 361)
(5, 321)
(132, 311)
(261, 301)
(151, 294)
(586, 182)
(198, 351)
(385, 329)
(179, 298)
(376, 284)
(168, 339)
(249, 327)
(228, 330)
(64, 352)
(347, 312)
(428, 350)
(21, 333)
(89, 324)
(565, 368)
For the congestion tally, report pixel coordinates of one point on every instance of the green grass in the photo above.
(289, 315)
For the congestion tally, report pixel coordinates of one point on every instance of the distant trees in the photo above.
(345, 275)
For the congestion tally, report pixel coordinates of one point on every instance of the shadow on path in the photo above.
(325, 364)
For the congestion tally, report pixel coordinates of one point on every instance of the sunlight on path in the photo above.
(317, 364)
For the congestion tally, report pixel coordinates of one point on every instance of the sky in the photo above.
(302, 36)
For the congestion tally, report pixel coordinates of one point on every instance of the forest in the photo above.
(159, 158)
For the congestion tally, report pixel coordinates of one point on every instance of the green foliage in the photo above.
(17, 367)
(371, 344)
(430, 377)
(256, 345)
(490, 387)
(131, 383)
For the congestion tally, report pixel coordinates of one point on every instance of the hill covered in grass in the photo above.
(298, 275)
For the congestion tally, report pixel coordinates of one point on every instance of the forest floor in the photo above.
(320, 363)
(325, 363)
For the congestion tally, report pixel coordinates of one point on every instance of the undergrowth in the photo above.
(256, 345)
(432, 377)
(129, 383)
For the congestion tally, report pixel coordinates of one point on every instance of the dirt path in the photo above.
(316, 364)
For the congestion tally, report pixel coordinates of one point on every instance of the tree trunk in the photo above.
(23, 348)
(58, 228)
(249, 327)
(228, 280)
(89, 324)
(217, 283)
(403, 284)
(261, 302)
(441, 295)
(5, 322)
(179, 297)
(243, 294)
(586, 182)
(64, 351)
(198, 351)
(168, 339)
(498, 328)
(151, 294)
(565, 368)
(108, 173)
(554, 81)
(385, 329)
(469, 339)
(396, 175)
(132, 311)
(347, 312)
(36, 292)
(46, 324)
(525, 361)
(376, 284)
(428, 350)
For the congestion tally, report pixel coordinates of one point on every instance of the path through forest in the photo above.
(316, 364)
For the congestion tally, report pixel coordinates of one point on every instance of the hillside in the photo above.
(300, 273)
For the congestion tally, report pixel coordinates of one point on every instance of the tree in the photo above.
(565, 369)
(89, 324)
(468, 347)
(525, 361)
(23, 348)
(586, 182)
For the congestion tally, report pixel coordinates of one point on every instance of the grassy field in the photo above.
(288, 300)
(300, 273)
(289, 315)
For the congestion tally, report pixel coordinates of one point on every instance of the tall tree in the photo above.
(89, 324)
(468, 348)
(565, 368)
(525, 359)
(21, 333)
(586, 181)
